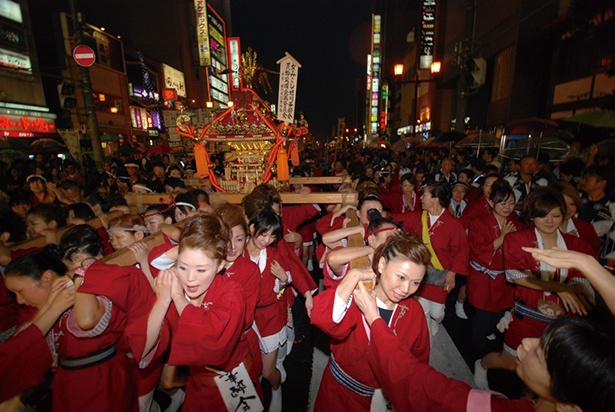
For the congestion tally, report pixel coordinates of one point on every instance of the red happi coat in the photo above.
(484, 292)
(328, 223)
(9, 308)
(449, 241)
(204, 338)
(302, 281)
(330, 279)
(24, 359)
(350, 345)
(295, 215)
(475, 211)
(129, 290)
(246, 273)
(412, 385)
(324, 225)
(103, 387)
(271, 315)
(395, 202)
(587, 232)
(516, 261)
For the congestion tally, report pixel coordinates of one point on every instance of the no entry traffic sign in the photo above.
(84, 56)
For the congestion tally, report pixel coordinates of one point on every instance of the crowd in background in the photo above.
(451, 220)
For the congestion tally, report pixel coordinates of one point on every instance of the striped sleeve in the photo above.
(97, 330)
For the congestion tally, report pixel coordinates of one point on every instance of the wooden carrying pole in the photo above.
(356, 241)
(143, 200)
(41, 241)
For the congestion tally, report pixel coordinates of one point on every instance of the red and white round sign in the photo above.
(84, 56)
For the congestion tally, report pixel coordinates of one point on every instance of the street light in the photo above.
(398, 70)
(435, 67)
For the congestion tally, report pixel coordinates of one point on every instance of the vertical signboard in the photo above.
(218, 83)
(375, 78)
(202, 32)
(287, 91)
(234, 60)
(428, 33)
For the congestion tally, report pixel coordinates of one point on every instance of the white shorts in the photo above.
(272, 342)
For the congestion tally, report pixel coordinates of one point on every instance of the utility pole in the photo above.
(464, 53)
(86, 88)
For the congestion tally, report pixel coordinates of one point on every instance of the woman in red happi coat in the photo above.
(242, 270)
(449, 248)
(199, 317)
(93, 372)
(488, 291)
(348, 382)
(542, 293)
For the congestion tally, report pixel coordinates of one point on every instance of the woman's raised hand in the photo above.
(163, 285)
(366, 302)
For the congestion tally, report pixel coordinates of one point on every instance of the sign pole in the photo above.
(86, 88)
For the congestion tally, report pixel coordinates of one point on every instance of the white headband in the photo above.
(191, 206)
(129, 229)
(35, 176)
(147, 189)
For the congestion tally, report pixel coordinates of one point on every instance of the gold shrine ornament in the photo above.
(181, 122)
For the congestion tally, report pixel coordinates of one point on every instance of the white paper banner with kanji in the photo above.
(238, 391)
(287, 92)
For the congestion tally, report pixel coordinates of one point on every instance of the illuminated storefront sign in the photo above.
(234, 58)
(16, 61)
(174, 79)
(138, 91)
(428, 33)
(202, 33)
(140, 119)
(25, 123)
(10, 10)
(218, 83)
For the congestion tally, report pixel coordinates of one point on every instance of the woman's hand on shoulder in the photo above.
(366, 302)
(163, 285)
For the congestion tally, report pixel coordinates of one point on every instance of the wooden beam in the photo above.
(326, 180)
(41, 241)
(143, 200)
(197, 182)
(356, 241)
(290, 198)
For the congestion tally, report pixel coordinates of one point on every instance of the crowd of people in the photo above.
(205, 320)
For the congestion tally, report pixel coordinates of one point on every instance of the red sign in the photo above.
(169, 94)
(25, 126)
(84, 56)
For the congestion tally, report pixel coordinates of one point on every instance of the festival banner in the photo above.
(287, 91)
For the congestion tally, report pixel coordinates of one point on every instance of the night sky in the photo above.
(329, 38)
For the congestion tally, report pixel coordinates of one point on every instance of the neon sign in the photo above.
(25, 126)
